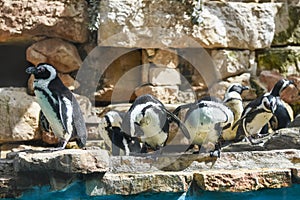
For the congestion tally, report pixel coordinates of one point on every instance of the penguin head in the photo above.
(42, 71)
(234, 91)
(237, 87)
(280, 86)
(268, 103)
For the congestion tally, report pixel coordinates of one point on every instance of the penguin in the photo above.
(58, 105)
(282, 116)
(115, 139)
(205, 120)
(233, 100)
(148, 119)
(254, 117)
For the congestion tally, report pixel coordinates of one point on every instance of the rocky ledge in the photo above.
(240, 168)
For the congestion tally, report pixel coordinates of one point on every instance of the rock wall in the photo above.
(175, 50)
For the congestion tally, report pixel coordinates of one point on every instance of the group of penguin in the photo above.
(207, 122)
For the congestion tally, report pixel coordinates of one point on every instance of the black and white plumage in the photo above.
(234, 101)
(205, 120)
(58, 105)
(255, 115)
(148, 119)
(282, 116)
(115, 139)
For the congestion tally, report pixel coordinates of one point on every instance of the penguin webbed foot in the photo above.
(215, 153)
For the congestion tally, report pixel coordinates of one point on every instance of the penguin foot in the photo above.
(215, 153)
(254, 142)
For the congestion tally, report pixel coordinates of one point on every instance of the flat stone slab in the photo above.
(134, 183)
(66, 161)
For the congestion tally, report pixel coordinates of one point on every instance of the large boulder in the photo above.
(61, 54)
(29, 20)
(19, 115)
(179, 24)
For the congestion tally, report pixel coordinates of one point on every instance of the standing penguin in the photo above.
(148, 119)
(254, 117)
(58, 105)
(205, 120)
(115, 139)
(233, 100)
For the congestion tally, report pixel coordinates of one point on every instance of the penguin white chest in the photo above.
(51, 113)
(259, 121)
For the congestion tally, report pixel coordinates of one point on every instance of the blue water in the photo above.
(77, 191)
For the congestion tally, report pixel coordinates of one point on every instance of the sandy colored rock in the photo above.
(166, 94)
(67, 161)
(19, 115)
(161, 57)
(164, 76)
(30, 20)
(218, 24)
(129, 184)
(61, 54)
(231, 63)
(243, 180)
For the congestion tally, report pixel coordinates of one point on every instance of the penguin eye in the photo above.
(41, 69)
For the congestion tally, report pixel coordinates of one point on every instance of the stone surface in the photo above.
(32, 19)
(66, 161)
(164, 76)
(285, 60)
(152, 25)
(287, 29)
(166, 94)
(130, 184)
(231, 63)
(61, 54)
(19, 115)
(243, 180)
(160, 57)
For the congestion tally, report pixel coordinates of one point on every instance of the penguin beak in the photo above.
(31, 70)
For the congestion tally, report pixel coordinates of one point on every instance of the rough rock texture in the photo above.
(166, 94)
(164, 76)
(286, 60)
(29, 20)
(243, 180)
(287, 24)
(160, 57)
(62, 55)
(19, 115)
(129, 184)
(66, 161)
(232, 63)
(151, 25)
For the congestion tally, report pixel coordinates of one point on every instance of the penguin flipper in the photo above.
(63, 112)
(181, 107)
(180, 124)
(43, 122)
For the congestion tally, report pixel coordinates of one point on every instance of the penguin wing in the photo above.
(180, 124)
(181, 107)
(65, 111)
(43, 122)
